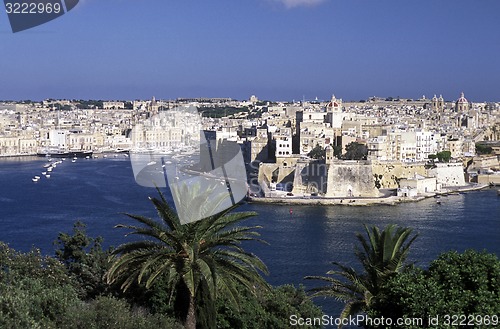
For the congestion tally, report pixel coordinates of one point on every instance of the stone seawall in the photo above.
(351, 179)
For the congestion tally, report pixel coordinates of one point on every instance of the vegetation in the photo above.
(382, 255)
(167, 280)
(84, 259)
(268, 309)
(221, 111)
(35, 291)
(444, 156)
(483, 149)
(465, 284)
(89, 104)
(355, 151)
(197, 260)
(318, 153)
(64, 292)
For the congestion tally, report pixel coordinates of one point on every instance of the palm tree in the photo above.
(198, 260)
(382, 255)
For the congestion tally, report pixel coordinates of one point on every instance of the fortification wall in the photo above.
(351, 179)
(310, 177)
(388, 173)
(268, 171)
(448, 174)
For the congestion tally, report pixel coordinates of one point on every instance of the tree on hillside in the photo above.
(483, 149)
(444, 156)
(355, 151)
(199, 260)
(318, 153)
(84, 258)
(382, 254)
(466, 285)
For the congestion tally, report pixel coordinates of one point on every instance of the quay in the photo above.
(387, 200)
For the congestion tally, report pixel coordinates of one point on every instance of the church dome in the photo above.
(462, 99)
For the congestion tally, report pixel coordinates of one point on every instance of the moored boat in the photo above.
(64, 154)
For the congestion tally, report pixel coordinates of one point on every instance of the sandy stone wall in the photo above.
(388, 173)
(351, 179)
(448, 174)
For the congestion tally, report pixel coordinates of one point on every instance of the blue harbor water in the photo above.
(303, 240)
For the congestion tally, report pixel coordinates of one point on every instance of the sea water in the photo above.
(303, 240)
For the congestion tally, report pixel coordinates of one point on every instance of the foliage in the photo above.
(198, 260)
(381, 255)
(111, 313)
(355, 151)
(85, 260)
(88, 104)
(269, 309)
(432, 157)
(483, 149)
(318, 152)
(337, 151)
(34, 290)
(462, 284)
(221, 111)
(444, 156)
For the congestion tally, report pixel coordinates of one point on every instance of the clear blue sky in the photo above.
(275, 49)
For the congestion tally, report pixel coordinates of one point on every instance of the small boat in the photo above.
(438, 202)
(44, 173)
(35, 179)
(73, 160)
(47, 176)
(49, 169)
(87, 157)
(151, 163)
(46, 165)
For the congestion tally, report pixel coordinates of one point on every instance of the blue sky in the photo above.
(275, 49)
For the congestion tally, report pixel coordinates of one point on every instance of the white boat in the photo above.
(44, 173)
(151, 163)
(47, 176)
(35, 179)
(46, 165)
(73, 160)
(49, 169)
(87, 157)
